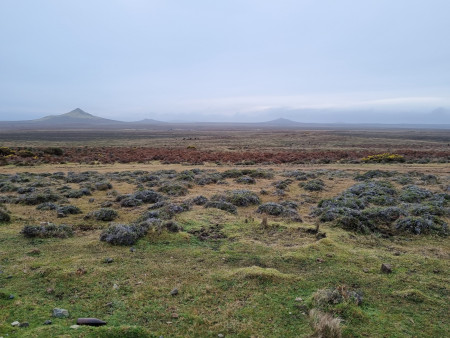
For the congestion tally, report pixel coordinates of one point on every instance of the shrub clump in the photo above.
(4, 216)
(222, 205)
(369, 207)
(47, 231)
(103, 214)
(245, 180)
(240, 198)
(421, 225)
(275, 209)
(68, 210)
(384, 158)
(47, 206)
(174, 189)
(200, 200)
(414, 194)
(122, 234)
(102, 186)
(313, 185)
(373, 174)
(38, 198)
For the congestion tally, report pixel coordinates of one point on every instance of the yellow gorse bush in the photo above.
(385, 157)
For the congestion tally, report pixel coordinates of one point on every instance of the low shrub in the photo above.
(240, 198)
(103, 214)
(421, 225)
(174, 189)
(384, 158)
(38, 198)
(121, 234)
(4, 216)
(200, 200)
(245, 180)
(68, 210)
(47, 231)
(222, 205)
(47, 206)
(77, 193)
(414, 194)
(374, 174)
(103, 186)
(313, 185)
(271, 208)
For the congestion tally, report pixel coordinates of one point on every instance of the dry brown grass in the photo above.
(324, 324)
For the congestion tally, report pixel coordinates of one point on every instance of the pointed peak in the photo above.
(79, 113)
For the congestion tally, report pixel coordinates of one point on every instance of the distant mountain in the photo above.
(76, 119)
(149, 121)
(281, 122)
(76, 116)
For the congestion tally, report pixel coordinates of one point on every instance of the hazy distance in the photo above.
(373, 61)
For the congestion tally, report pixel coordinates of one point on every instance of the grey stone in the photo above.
(60, 313)
(174, 292)
(24, 324)
(386, 268)
(48, 322)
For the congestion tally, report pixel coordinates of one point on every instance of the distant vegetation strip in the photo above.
(32, 156)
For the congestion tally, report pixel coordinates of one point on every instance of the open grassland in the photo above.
(253, 257)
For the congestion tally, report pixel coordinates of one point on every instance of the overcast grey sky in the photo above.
(308, 60)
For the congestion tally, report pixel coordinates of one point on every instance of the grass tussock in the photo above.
(324, 324)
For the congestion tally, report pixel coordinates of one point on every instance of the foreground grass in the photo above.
(243, 285)
(239, 287)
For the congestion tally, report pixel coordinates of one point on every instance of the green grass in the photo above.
(243, 285)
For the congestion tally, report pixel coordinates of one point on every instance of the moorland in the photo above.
(225, 233)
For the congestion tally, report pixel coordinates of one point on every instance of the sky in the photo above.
(378, 61)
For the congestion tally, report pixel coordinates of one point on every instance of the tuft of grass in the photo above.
(411, 295)
(259, 273)
(324, 324)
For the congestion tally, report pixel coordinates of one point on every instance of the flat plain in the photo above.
(257, 233)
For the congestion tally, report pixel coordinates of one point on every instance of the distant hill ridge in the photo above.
(78, 119)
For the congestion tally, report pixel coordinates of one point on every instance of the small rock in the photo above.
(365, 270)
(174, 292)
(24, 324)
(397, 253)
(91, 200)
(319, 260)
(80, 271)
(75, 327)
(50, 290)
(108, 260)
(115, 286)
(9, 277)
(299, 299)
(16, 323)
(60, 313)
(132, 249)
(220, 335)
(11, 296)
(386, 268)
(175, 315)
(436, 271)
(48, 322)
(90, 321)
